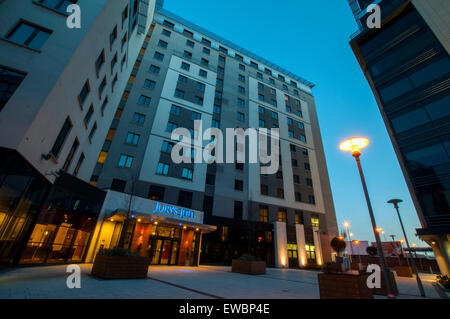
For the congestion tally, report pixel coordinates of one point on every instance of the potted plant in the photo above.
(248, 264)
(119, 263)
(334, 283)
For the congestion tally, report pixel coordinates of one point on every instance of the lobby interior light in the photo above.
(139, 220)
(354, 145)
(156, 223)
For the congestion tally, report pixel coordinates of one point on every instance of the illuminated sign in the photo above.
(174, 211)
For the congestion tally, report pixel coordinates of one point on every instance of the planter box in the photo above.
(404, 271)
(382, 290)
(120, 267)
(447, 290)
(249, 267)
(344, 286)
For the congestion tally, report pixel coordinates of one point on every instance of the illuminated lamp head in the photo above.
(354, 145)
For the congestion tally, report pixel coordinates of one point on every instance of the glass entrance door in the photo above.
(164, 251)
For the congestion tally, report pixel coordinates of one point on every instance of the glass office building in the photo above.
(407, 64)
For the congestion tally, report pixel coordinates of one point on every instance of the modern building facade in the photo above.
(407, 65)
(166, 74)
(59, 90)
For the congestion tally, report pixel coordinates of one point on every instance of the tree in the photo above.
(338, 244)
(372, 250)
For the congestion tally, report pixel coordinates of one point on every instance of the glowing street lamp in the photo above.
(347, 226)
(395, 202)
(355, 145)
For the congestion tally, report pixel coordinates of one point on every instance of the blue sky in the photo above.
(311, 39)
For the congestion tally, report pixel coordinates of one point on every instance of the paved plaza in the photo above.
(202, 282)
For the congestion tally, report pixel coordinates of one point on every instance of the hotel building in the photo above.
(174, 72)
(406, 63)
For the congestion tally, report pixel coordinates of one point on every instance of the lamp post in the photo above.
(395, 202)
(355, 145)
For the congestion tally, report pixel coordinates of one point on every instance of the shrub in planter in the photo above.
(248, 264)
(444, 280)
(119, 263)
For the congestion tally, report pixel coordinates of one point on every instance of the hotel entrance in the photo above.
(164, 251)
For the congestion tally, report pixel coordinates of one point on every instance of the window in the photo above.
(260, 86)
(185, 66)
(71, 154)
(79, 163)
(240, 166)
(275, 115)
(315, 222)
(179, 94)
(291, 134)
(202, 73)
(167, 33)
(198, 100)
(302, 138)
(162, 44)
(241, 78)
(220, 69)
(196, 116)
(139, 118)
(102, 86)
(190, 43)
(149, 84)
(309, 182)
(272, 81)
(293, 148)
(188, 33)
(168, 24)
(84, 92)
(9, 81)
(274, 102)
(285, 87)
(241, 116)
(238, 185)
(206, 51)
(60, 5)
(241, 102)
(132, 139)
(217, 109)
(206, 41)
(210, 179)
(219, 82)
(159, 56)
(263, 214)
(307, 167)
(259, 75)
(176, 110)
(100, 62)
(299, 218)
(185, 199)
(215, 124)
(154, 69)
(281, 77)
(118, 185)
(218, 95)
(264, 190)
(301, 125)
(280, 193)
(268, 71)
(201, 86)
(241, 89)
(290, 121)
(156, 193)
(294, 163)
(298, 197)
(163, 169)
(187, 174)
(123, 42)
(296, 179)
(187, 54)
(296, 93)
(253, 64)
(204, 61)
(113, 62)
(182, 79)
(171, 127)
(261, 110)
(312, 199)
(62, 136)
(88, 116)
(112, 37)
(282, 215)
(238, 210)
(260, 97)
(29, 35)
(167, 147)
(92, 133)
(144, 100)
(305, 151)
(262, 123)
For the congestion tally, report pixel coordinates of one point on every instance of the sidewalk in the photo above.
(203, 282)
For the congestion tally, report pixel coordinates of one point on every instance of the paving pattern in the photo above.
(202, 282)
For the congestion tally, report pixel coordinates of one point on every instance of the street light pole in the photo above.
(374, 225)
(419, 281)
(355, 145)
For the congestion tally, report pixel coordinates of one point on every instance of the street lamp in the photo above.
(395, 202)
(355, 145)
(347, 226)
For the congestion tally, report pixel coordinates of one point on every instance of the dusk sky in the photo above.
(311, 39)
